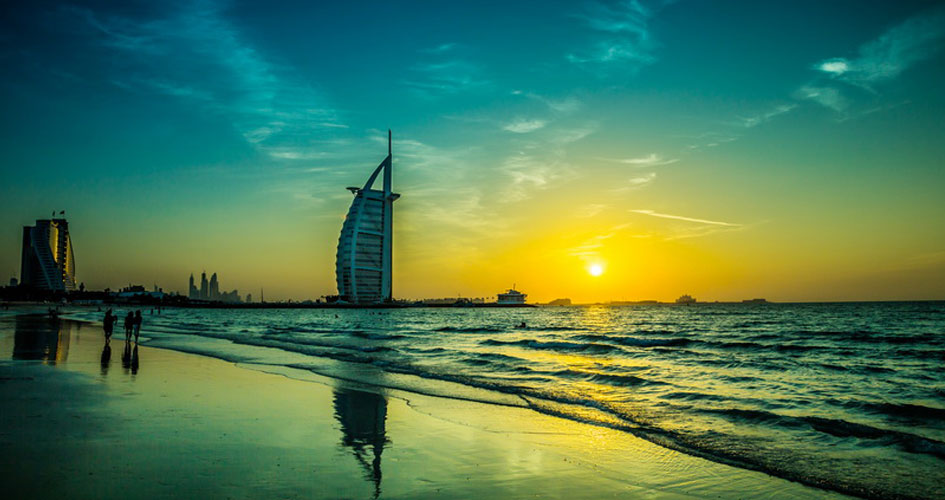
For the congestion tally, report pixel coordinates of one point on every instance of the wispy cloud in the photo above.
(885, 58)
(268, 105)
(686, 219)
(636, 182)
(709, 140)
(565, 105)
(878, 61)
(766, 116)
(439, 49)
(829, 97)
(530, 171)
(643, 179)
(523, 126)
(589, 210)
(623, 35)
(650, 160)
(445, 77)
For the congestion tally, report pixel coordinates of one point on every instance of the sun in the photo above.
(596, 269)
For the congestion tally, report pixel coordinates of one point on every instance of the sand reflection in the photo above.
(363, 417)
(40, 338)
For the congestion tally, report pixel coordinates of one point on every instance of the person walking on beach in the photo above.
(129, 324)
(137, 324)
(109, 324)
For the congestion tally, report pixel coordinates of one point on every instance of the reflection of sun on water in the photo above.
(596, 270)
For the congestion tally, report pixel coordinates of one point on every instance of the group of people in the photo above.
(132, 325)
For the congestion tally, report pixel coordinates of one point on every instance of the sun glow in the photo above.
(596, 270)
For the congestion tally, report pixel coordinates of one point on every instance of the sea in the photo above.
(844, 396)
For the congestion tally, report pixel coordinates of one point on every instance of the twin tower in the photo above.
(363, 261)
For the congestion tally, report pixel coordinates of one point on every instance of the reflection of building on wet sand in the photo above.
(363, 417)
(40, 337)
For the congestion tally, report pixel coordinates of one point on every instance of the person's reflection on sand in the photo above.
(126, 356)
(134, 360)
(106, 357)
(363, 417)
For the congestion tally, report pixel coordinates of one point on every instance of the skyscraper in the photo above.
(47, 261)
(214, 293)
(204, 289)
(192, 292)
(363, 262)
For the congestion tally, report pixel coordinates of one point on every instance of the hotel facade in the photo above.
(363, 261)
(47, 260)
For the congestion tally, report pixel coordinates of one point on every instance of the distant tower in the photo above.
(204, 288)
(47, 261)
(192, 292)
(214, 288)
(363, 262)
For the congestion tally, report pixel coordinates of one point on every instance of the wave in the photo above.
(636, 342)
(592, 347)
(456, 329)
(607, 378)
(837, 428)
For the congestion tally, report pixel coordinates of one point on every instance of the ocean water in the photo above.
(849, 397)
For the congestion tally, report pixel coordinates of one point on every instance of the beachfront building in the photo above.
(47, 261)
(363, 262)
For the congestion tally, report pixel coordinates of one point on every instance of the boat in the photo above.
(686, 300)
(512, 297)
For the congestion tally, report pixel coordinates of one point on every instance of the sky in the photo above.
(789, 150)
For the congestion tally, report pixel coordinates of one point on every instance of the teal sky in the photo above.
(793, 150)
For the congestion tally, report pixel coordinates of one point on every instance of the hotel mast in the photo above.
(363, 261)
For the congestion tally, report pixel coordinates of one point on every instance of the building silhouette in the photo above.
(363, 262)
(214, 290)
(47, 260)
(210, 290)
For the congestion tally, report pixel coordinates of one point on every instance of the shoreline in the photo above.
(550, 455)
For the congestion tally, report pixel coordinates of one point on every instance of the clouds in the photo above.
(621, 36)
(445, 71)
(523, 126)
(842, 81)
(886, 57)
(193, 53)
(682, 227)
(685, 219)
(650, 160)
(777, 110)
(642, 179)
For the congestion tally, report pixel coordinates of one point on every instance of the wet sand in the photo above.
(182, 425)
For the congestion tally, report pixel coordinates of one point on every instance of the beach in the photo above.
(188, 425)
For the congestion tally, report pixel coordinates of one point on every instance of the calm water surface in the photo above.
(849, 397)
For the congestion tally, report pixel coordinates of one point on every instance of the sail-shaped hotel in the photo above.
(363, 261)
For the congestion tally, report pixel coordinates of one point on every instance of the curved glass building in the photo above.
(47, 260)
(363, 261)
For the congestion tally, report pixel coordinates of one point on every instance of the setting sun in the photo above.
(595, 270)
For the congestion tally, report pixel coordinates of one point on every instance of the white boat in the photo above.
(512, 296)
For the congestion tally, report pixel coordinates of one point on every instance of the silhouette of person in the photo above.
(109, 324)
(137, 324)
(129, 324)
